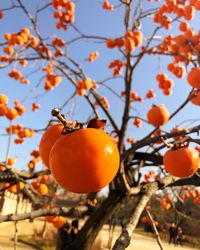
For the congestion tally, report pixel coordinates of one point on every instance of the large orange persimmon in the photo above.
(181, 162)
(193, 77)
(84, 161)
(158, 115)
(47, 141)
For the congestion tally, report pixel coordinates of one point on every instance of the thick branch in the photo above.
(35, 214)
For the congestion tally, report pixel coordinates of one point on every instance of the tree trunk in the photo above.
(93, 225)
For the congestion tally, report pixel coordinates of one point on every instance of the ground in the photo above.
(139, 241)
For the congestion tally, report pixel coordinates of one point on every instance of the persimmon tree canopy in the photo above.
(130, 68)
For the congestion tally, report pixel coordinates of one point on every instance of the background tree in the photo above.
(93, 61)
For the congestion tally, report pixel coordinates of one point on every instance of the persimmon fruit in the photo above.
(158, 115)
(47, 141)
(84, 161)
(181, 162)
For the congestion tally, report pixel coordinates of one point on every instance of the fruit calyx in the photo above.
(69, 126)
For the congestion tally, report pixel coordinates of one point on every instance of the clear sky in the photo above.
(91, 19)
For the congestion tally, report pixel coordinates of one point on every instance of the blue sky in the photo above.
(91, 19)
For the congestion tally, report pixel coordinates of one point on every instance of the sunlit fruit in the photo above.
(181, 162)
(84, 161)
(158, 115)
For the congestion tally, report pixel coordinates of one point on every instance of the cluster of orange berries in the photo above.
(36, 158)
(146, 220)
(40, 185)
(23, 62)
(188, 193)
(107, 6)
(35, 106)
(17, 75)
(149, 176)
(133, 96)
(165, 83)
(13, 113)
(150, 94)
(184, 46)
(131, 140)
(64, 14)
(22, 38)
(21, 132)
(166, 202)
(52, 80)
(57, 221)
(93, 56)
(178, 8)
(15, 39)
(83, 85)
(117, 67)
(129, 41)
(177, 70)
(58, 43)
(14, 188)
(137, 122)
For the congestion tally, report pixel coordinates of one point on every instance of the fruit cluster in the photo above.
(150, 94)
(107, 6)
(21, 132)
(84, 84)
(35, 106)
(129, 41)
(52, 80)
(177, 70)
(137, 122)
(64, 13)
(10, 113)
(165, 83)
(17, 75)
(36, 158)
(117, 66)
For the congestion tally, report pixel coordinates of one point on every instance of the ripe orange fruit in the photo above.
(42, 189)
(193, 77)
(84, 161)
(47, 141)
(158, 115)
(181, 162)
(58, 222)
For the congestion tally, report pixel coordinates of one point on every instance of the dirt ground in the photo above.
(139, 241)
